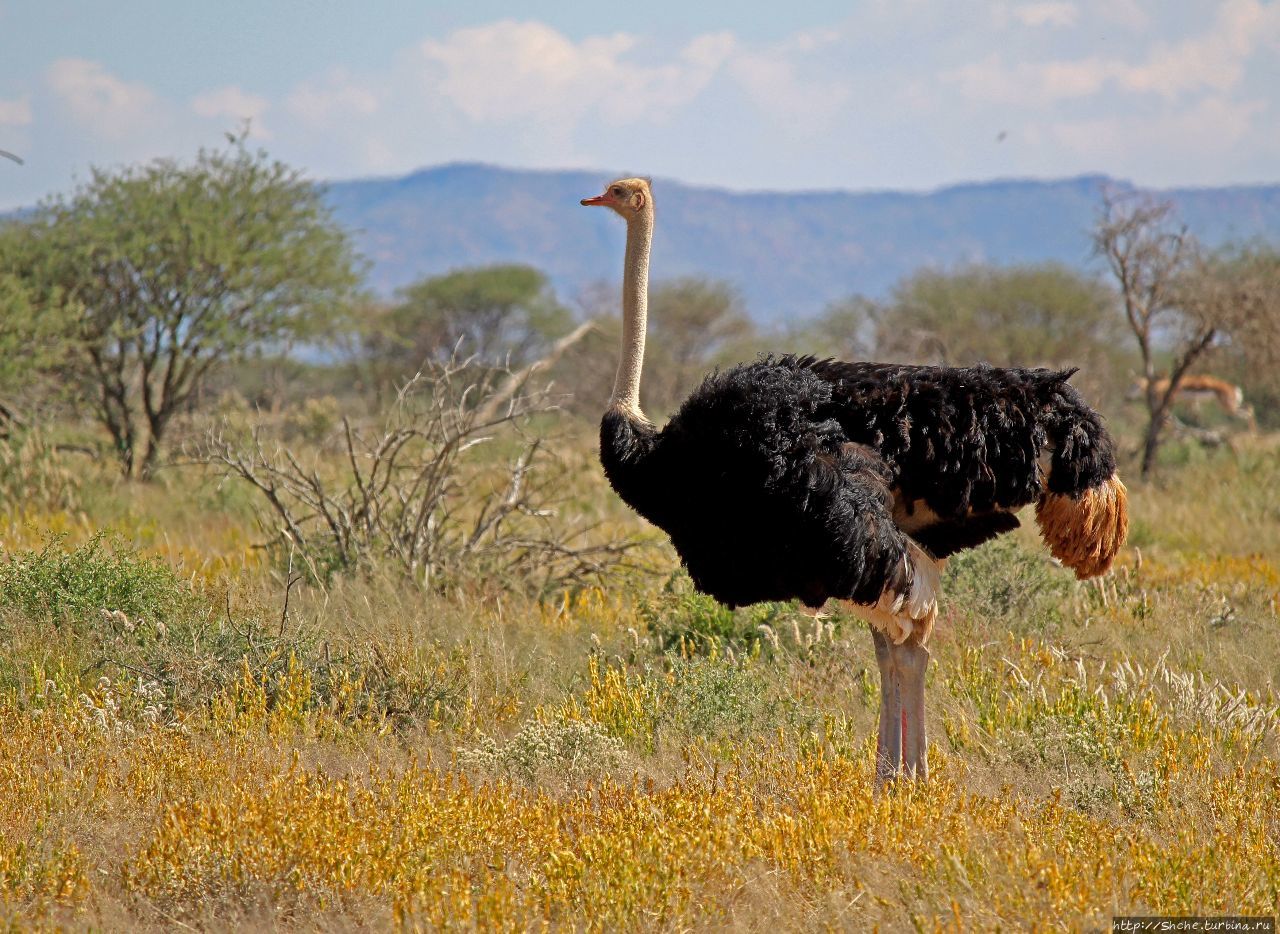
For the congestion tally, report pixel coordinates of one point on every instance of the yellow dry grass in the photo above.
(381, 757)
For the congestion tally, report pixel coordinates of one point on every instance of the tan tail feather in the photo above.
(1086, 532)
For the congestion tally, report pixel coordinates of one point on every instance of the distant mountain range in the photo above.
(788, 253)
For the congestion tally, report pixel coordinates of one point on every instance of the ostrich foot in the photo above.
(889, 737)
(912, 659)
(901, 622)
(901, 743)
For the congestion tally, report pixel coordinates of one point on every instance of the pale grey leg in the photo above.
(911, 659)
(889, 740)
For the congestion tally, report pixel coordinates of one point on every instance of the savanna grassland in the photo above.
(188, 740)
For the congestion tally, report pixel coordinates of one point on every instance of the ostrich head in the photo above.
(630, 197)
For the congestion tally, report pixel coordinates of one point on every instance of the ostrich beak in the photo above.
(603, 200)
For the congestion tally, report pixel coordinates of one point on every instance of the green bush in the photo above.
(685, 621)
(717, 699)
(1006, 583)
(57, 584)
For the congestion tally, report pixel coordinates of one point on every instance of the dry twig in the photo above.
(417, 488)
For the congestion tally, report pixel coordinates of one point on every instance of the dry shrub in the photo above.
(453, 485)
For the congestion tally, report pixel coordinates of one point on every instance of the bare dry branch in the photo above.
(515, 381)
(449, 486)
(1154, 261)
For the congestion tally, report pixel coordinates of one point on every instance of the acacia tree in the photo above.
(29, 342)
(1182, 303)
(501, 314)
(845, 330)
(1040, 314)
(168, 270)
(1153, 259)
(694, 324)
(1239, 288)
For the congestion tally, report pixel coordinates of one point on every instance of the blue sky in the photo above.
(877, 94)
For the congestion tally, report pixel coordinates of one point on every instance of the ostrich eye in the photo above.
(616, 192)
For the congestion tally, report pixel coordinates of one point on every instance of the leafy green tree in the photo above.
(845, 330)
(31, 342)
(168, 270)
(16, 337)
(503, 314)
(694, 325)
(1036, 315)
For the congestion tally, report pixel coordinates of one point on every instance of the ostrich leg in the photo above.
(911, 659)
(889, 740)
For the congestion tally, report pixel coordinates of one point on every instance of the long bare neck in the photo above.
(635, 312)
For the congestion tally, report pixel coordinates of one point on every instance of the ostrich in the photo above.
(799, 478)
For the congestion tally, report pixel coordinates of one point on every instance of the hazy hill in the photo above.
(788, 252)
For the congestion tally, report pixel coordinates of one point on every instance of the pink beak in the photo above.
(598, 200)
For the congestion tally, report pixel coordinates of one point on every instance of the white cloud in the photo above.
(513, 70)
(1211, 128)
(1214, 60)
(773, 82)
(100, 101)
(899, 92)
(519, 92)
(1028, 83)
(1046, 14)
(529, 74)
(526, 92)
(235, 104)
(809, 41)
(15, 112)
(792, 80)
(1127, 13)
(1211, 62)
(379, 155)
(338, 97)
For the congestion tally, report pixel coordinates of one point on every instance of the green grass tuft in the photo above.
(59, 584)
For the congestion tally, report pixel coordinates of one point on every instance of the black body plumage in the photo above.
(779, 479)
